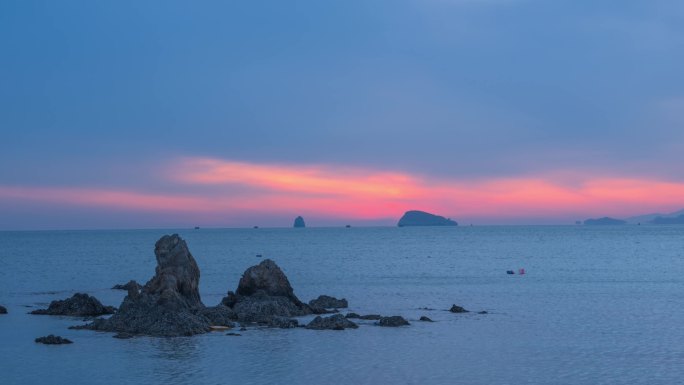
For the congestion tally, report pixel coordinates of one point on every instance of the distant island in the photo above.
(653, 218)
(299, 222)
(604, 221)
(669, 220)
(421, 218)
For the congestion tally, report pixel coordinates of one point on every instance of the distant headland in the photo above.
(422, 218)
(604, 221)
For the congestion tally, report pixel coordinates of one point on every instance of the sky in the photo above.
(139, 114)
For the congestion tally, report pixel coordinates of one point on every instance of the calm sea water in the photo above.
(600, 305)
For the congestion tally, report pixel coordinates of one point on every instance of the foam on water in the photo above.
(597, 306)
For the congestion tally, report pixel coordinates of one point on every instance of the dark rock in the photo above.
(283, 323)
(328, 302)
(234, 334)
(124, 336)
(421, 218)
(3, 310)
(334, 322)
(352, 315)
(457, 309)
(53, 340)
(219, 315)
(482, 312)
(128, 286)
(510, 272)
(242, 329)
(79, 305)
(426, 319)
(393, 321)
(371, 317)
(264, 292)
(169, 304)
(299, 222)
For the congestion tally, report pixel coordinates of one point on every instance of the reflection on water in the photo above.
(597, 306)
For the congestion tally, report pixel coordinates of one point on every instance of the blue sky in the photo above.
(104, 95)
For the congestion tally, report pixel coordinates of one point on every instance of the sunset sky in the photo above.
(133, 114)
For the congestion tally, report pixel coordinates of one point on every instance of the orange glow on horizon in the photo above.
(220, 188)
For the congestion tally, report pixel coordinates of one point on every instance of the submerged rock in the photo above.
(457, 309)
(264, 292)
(328, 302)
(426, 319)
(334, 322)
(128, 286)
(3, 310)
(373, 317)
(393, 321)
(79, 305)
(53, 340)
(169, 304)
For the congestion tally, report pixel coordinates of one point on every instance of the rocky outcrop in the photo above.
(374, 317)
(425, 319)
(3, 310)
(127, 286)
(79, 305)
(264, 292)
(299, 222)
(457, 309)
(334, 322)
(53, 340)
(219, 315)
(393, 321)
(327, 302)
(169, 304)
(421, 218)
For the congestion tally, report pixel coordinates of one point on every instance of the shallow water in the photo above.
(598, 305)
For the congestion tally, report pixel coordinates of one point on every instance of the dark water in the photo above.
(599, 305)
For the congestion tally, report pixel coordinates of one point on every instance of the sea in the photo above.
(596, 305)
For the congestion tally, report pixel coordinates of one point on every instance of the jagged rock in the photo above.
(457, 309)
(283, 323)
(127, 286)
(169, 304)
(3, 310)
(328, 302)
(79, 305)
(299, 222)
(53, 340)
(263, 293)
(393, 321)
(219, 315)
(426, 319)
(334, 322)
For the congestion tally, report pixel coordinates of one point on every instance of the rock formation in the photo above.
(334, 322)
(53, 340)
(3, 310)
(169, 304)
(421, 218)
(264, 292)
(127, 286)
(363, 317)
(604, 221)
(393, 321)
(79, 305)
(299, 222)
(426, 319)
(327, 302)
(457, 309)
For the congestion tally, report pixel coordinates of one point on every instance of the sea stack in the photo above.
(422, 218)
(299, 222)
(169, 304)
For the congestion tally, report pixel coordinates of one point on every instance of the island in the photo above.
(299, 222)
(604, 221)
(421, 218)
(679, 220)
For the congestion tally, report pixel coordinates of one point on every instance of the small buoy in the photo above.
(510, 272)
(521, 271)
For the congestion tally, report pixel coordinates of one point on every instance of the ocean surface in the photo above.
(597, 305)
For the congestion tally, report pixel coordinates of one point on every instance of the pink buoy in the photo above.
(521, 271)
